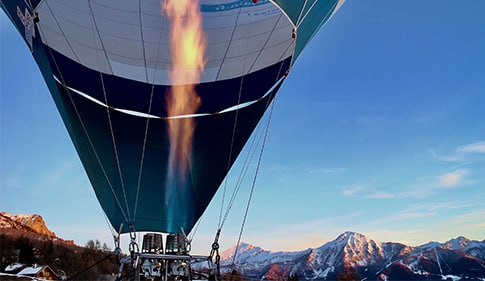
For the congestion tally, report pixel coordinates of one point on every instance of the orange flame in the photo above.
(187, 44)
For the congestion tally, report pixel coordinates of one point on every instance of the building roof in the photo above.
(32, 270)
(14, 267)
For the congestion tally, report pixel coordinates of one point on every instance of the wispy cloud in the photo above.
(420, 189)
(462, 152)
(322, 170)
(311, 233)
(475, 216)
(476, 147)
(353, 190)
(452, 179)
(381, 195)
(401, 216)
(306, 169)
(436, 228)
(439, 206)
(14, 179)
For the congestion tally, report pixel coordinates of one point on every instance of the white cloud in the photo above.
(452, 179)
(380, 195)
(419, 190)
(476, 147)
(353, 190)
(462, 152)
(474, 217)
(399, 217)
(439, 206)
(311, 233)
(320, 170)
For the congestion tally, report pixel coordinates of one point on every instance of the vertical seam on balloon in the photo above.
(62, 31)
(307, 12)
(142, 41)
(301, 12)
(156, 69)
(323, 22)
(93, 32)
(229, 41)
(100, 38)
(265, 43)
(284, 13)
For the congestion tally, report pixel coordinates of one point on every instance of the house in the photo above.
(39, 271)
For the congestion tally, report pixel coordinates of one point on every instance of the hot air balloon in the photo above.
(109, 68)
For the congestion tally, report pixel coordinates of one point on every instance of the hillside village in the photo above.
(29, 248)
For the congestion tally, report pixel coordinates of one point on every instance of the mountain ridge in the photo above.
(459, 258)
(349, 253)
(33, 223)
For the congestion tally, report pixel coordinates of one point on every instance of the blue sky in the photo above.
(378, 129)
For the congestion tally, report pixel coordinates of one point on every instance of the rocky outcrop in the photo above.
(30, 223)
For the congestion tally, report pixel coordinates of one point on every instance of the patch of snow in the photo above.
(327, 270)
(452, 277)
(14, 266)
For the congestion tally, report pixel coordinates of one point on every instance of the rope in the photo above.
(248, 36)
(149, 113)
(143, 155)
(242, 174)
(89, 267)
(63, 83)
(253, 183)
(115, 147)
(244, 168)
(259, 163)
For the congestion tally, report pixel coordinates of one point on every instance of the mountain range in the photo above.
(351, 256)
(457, 259)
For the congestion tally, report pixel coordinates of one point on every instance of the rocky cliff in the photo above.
(28, 223)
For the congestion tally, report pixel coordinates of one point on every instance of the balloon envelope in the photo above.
(107, 65)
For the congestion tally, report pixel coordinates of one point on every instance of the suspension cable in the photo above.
(253, 183)
(108, 111)
(260, 156)
(237, 111)
(148, 119)
(91, 266)
(143, 154)
(68, 91)
(245, 167)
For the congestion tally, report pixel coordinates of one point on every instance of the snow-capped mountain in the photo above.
(25, 222)
(459, 258)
